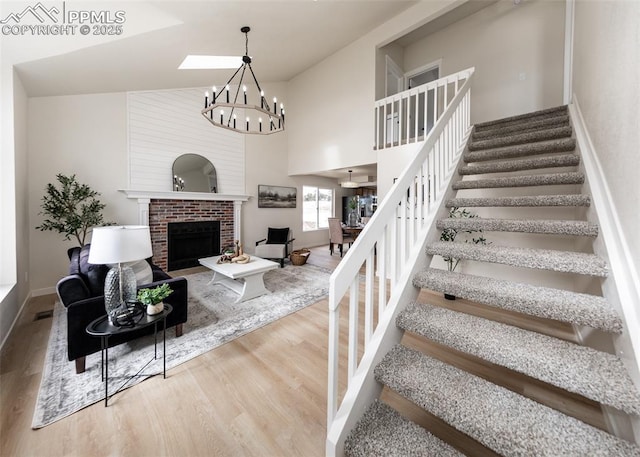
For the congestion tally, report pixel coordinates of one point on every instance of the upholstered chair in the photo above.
(276, 246)
(337, 236)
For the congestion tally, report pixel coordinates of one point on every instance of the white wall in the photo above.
(606, 84)
(20, 102)
(85, 135)
(535, 29)
(505, 43)
(330, 106)
(14, 248)
(266, 163)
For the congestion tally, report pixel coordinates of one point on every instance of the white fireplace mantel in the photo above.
(144, 198)
(171, 195)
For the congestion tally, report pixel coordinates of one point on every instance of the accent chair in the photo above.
(276, 246)
(337, 236)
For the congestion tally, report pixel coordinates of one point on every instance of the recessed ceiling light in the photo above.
(192, 62)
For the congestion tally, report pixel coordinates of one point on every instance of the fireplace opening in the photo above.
(189, 241)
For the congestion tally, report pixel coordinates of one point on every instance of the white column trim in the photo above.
(569, 24)
(237, 219)
(143, 210)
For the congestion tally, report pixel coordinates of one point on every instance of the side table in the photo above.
(102, 328)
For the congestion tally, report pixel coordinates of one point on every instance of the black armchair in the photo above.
(81, 292)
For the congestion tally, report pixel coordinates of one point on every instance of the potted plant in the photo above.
(353, 213)
(152, 297)
(72, 209)
(450, 234)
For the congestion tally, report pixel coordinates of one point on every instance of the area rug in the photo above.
(214, 319)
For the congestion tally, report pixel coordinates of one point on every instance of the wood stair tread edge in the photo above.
(593, 374)
(500, 419)
(546, 259)
(545, 302)
(383, 431)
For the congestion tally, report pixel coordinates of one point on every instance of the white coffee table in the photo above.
(244, 279)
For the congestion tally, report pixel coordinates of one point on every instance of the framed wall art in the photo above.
(276, 196)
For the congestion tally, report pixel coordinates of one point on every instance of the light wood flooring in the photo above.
(263, 394)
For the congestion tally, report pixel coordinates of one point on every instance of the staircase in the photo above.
(532, 151)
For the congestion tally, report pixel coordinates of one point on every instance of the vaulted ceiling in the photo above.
(286, 38)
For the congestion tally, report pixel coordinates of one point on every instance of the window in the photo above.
(317, 207)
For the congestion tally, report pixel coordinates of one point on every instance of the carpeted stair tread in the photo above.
(527, 117)
(530, 126)
(557, 304)
(524, 201)
(554, 161)
(502, 420)
(547, 179)
(528, 137)
(593, 374)
(563, 261)
(548, 227)
(521, 150)
(382, 431)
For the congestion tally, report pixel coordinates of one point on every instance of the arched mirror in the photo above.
(194, 173)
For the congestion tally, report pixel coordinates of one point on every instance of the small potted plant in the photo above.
(153, 297)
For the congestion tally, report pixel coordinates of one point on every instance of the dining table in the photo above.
(354, 231)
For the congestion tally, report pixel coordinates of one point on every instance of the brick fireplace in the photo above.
(158, 209)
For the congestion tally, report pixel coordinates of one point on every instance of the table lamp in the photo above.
(113, 246)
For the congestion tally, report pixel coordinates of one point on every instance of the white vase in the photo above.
(155, 309)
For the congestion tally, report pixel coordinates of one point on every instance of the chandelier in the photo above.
(350, 184)
(223, 109)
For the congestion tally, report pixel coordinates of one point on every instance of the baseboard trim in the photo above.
(15, 320)
(43, 291)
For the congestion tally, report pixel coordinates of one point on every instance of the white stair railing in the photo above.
(407, 117)
(389, 248)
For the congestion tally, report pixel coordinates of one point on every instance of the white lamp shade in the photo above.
(117, 244)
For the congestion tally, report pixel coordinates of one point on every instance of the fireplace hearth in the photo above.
(189, 241)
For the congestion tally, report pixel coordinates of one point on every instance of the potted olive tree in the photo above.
(71, 209)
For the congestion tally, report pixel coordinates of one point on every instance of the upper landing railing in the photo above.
(409, 116)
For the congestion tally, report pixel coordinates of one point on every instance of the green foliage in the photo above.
(353, 203)
(154, 295)
(72, 209)
(450, 234)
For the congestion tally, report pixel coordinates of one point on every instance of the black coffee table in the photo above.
(103, 329)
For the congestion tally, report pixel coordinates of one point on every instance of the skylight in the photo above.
(192, 62)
